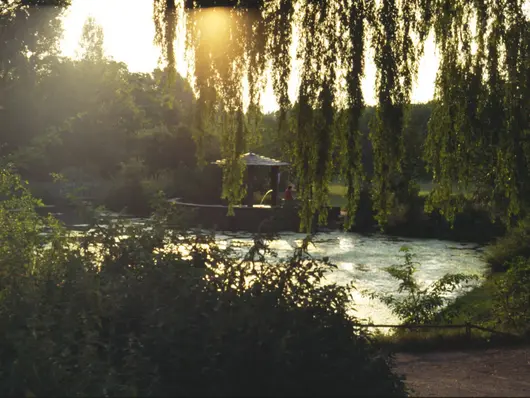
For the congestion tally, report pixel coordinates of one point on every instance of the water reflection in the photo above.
(362, 259)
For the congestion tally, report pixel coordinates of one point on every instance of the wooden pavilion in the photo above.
(253, 161)
(250, 217)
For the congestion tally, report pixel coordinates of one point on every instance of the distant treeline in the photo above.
(98, 124)
(416, 132)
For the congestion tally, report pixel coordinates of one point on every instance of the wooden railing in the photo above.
(467, 326)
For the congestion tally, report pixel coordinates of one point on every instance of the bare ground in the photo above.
(503, 372)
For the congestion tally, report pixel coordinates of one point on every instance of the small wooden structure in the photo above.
(253, 160)
(247, 217)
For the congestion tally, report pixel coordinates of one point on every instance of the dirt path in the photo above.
(486, 373)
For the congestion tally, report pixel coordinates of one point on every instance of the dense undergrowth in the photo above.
(499, 306)
(516, 243)
(140, 310)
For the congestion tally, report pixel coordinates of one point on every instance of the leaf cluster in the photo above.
(415, 304)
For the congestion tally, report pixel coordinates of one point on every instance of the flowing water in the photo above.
(362, 259)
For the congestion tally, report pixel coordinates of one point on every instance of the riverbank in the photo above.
(473, 308)
(481, 231)
(410, 220)
(499, 304)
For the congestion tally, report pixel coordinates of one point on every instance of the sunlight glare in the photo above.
(213, 23)
(129, 33)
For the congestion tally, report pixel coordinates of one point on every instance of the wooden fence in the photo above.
(467, 326)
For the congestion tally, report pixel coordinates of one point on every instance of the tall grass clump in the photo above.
(141, 310)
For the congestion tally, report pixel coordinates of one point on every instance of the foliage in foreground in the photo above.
(143, 311)
(516, 243)
(512, 296)
(415, 304)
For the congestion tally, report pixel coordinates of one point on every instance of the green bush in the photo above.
(199, 185)
(512, 296)
(134, 188)
(476, 305)
(139, 310)
(514, 244)
(415, 304)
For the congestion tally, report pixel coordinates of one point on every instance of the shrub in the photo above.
(199, 185)
(139, 310)
(131, 188)
(512, 296)
(514, 244)
(415, 304)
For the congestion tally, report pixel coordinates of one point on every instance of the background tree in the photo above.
(92, 41)
(29, 33)
(471, 87)
(94, 121)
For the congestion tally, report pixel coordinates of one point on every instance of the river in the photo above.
(362, 259)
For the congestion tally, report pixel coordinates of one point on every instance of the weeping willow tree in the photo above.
(479, 135)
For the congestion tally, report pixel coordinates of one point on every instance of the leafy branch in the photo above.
(415, 304)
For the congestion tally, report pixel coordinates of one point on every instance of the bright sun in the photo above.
(129, 38)
(128, 35)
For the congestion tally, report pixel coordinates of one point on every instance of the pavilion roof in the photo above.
(252, 159)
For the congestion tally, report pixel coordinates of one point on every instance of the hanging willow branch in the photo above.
(480, 124)
(353, 44)
(165, 14)
(479, 131)
(315, 127)
(395, 59)
(278, 15)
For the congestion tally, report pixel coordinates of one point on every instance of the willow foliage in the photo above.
(479, 132)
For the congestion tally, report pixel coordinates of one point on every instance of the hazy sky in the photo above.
(129, 32)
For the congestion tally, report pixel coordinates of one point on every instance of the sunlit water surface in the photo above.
(363, 259)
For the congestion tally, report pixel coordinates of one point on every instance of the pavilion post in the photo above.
(274, 185)
(250, 189)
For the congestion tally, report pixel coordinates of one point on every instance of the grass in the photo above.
(439, 339)
(475, 306)
(425, 188)
(337, 195)
(338, 191)
(442, 340)
(510, 246)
